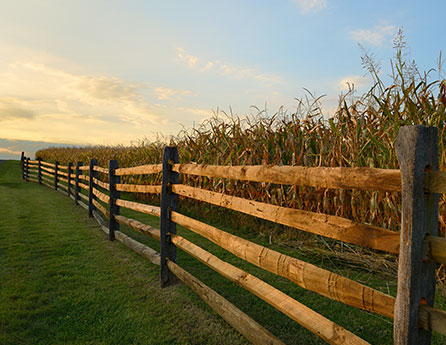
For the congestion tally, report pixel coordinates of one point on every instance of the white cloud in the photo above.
(43, 98)
(357, 81)
(208, 66)
(229, 69)
(183, 55)
(308, 6)
(376, 36)
(164, 93)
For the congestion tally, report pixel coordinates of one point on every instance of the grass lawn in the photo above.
(63, 282)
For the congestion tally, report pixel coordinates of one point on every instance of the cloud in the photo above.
(183, 55)
(12, 109)
(103, 88)
(357, 81)
(9, 151)
(229, 69)
(164, 93)
(376, 36)
(308, 6)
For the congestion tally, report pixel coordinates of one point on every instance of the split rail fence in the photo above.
(418, 245)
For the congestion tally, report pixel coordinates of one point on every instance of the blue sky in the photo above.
(113, 72)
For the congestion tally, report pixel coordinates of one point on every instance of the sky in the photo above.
(115, 72)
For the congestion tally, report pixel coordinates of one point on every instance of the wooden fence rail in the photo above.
(418, 245)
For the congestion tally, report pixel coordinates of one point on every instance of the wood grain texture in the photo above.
(101, 208)
(84, 177)
(432, 319)
(142, 169)
(61, 186)
(101, 222)
(306, 317)
(417, 151)
(84, 167)
(306, 275)
(139, 227)
(101, 196)
(136, 206)
(84, 197)
(82, 204)
(100, 169)
(345, 178)
(47, 169)
(63, 180)
(249, 328)
(136, 188)
(44, 173)
(150, 254)
(101, 184)
(84, 186)
(48, 164)
(436, 248)
(317, 223)
(435, 181)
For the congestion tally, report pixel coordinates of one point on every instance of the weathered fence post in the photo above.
(56, 179)
(417, 151)
(76, 183)
(114, 194)
(39, 170)
(93, 174)
(70, 171)
(169, 202)
(22, 164)
(27, 169)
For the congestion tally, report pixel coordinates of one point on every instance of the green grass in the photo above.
(64, 282)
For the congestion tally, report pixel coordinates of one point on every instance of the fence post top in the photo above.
(113, 164)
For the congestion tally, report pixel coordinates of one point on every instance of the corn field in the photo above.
(361, 133)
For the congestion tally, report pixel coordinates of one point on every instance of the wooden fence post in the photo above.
(56, 169)
(114, 194)
(93, 174)
(76, 183)
(39, 170)
(27, 169)
(169, 202)
(22, 164)
(417, 151)
(70, 171)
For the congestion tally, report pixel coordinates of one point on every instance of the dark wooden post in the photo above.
(114, 194)
(169, 202)
(93, 174)
(39, 170)
(70, 171)
(417, 151)
(76, 183)
(22, 164)
(27, 169)
(56, 170)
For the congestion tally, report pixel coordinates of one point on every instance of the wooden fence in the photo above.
(418, 245)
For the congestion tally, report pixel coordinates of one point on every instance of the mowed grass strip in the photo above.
(63, 282)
